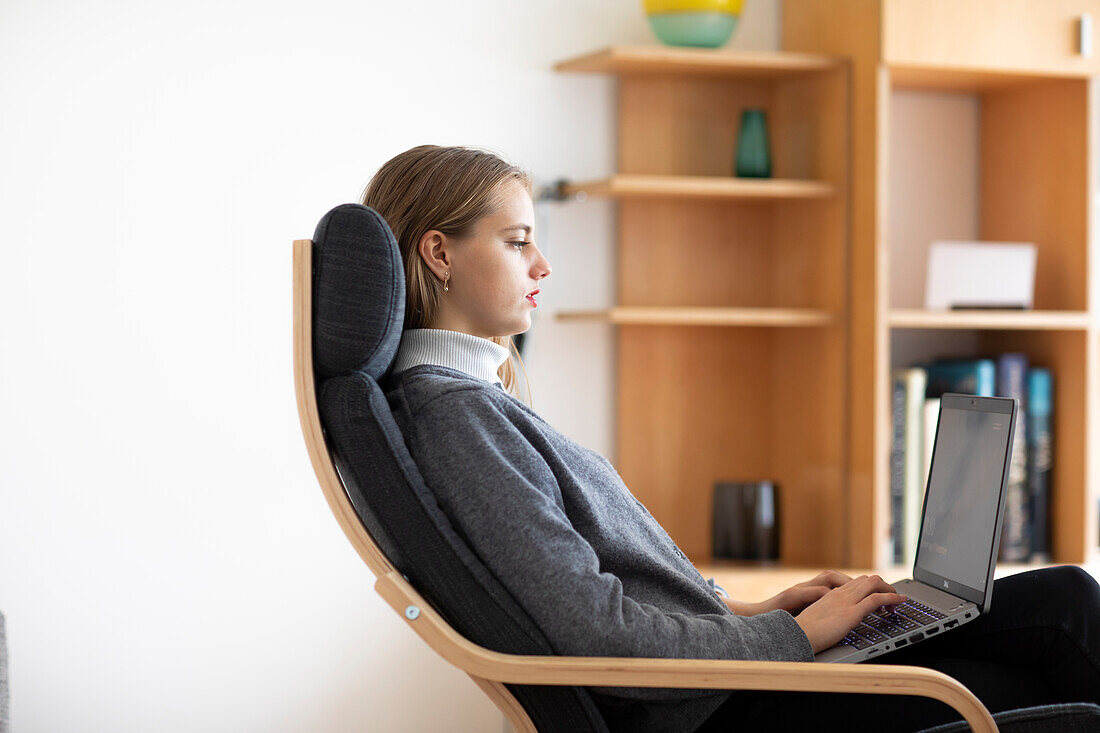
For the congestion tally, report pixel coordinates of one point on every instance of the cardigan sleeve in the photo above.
(505, 500)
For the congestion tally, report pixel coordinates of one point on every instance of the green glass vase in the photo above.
(753, 158)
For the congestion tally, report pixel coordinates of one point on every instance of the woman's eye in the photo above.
(519, 245)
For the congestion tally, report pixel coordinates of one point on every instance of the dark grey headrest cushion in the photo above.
(358, 293)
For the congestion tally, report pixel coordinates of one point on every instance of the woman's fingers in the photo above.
(883, 587)
(871, 592)
(796, 598)
(876, 600)
(835, 578)
(872, 583)
(827, 578)
(812, 593)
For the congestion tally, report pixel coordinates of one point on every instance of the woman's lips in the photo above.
(531, 298)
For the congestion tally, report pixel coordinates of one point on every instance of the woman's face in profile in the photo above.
(495, 270)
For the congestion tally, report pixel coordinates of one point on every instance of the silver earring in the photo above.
(446, 277)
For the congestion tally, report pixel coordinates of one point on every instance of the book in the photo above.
(974, 376)
(915, 382)
(897, 466)
(1016, 531)
(1040, 458)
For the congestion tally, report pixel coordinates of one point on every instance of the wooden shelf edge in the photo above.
(989, 320)
(663, 59)
(645, 316)
(643, 186)
(966, 79)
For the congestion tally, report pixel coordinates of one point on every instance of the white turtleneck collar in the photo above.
(473, 355)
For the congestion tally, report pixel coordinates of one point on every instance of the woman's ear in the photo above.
(433, 248)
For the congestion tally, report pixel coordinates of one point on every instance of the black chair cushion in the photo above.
(358, 293)
(432, 555)
(1078, 717)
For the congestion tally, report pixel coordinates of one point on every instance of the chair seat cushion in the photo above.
(1078, 717)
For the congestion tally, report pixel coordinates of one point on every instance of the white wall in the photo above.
(934, 194)
(167, 561)
(934, 184)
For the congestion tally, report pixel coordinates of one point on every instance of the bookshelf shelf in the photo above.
(1008, 320)
(957, 79)
(643, 316)
(687, 61)
(701, 187)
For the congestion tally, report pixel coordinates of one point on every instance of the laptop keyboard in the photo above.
(882, 626)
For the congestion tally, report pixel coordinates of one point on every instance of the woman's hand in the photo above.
(794, 599)
(839, 610)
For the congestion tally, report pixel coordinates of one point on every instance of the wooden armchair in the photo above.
(505, 677)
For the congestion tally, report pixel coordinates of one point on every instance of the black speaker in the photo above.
(746, 520)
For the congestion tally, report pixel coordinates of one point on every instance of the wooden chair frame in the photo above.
(491, 670)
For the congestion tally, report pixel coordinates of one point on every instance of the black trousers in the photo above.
(1039, 644)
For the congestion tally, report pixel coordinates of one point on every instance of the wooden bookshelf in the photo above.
(796, 270)
(731, 298)
(1027, 86)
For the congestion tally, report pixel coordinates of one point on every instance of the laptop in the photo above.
(960, 532)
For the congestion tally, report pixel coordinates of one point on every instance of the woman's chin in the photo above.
(523, 326)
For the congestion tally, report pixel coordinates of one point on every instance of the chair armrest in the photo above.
(718, 674)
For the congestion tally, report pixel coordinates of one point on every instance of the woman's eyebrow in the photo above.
(524, 227)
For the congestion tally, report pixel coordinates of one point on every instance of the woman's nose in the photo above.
(544, 268)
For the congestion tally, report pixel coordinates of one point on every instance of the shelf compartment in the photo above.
(1065, 353)
(682, 125)
(701, 187)
(1008, 320)
(692, 253)
(700, 406)
(642, 316)
(663, 60)
(957, 164)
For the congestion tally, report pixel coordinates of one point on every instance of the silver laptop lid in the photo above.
(965, 497)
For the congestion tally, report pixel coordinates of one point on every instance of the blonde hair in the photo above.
(448, 189)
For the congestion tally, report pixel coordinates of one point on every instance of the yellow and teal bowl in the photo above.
(706, 23)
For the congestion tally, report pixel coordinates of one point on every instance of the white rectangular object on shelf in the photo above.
(980, 275)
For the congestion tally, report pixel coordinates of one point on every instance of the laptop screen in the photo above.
(965, 494)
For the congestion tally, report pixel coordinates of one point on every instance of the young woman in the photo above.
(555, 524)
